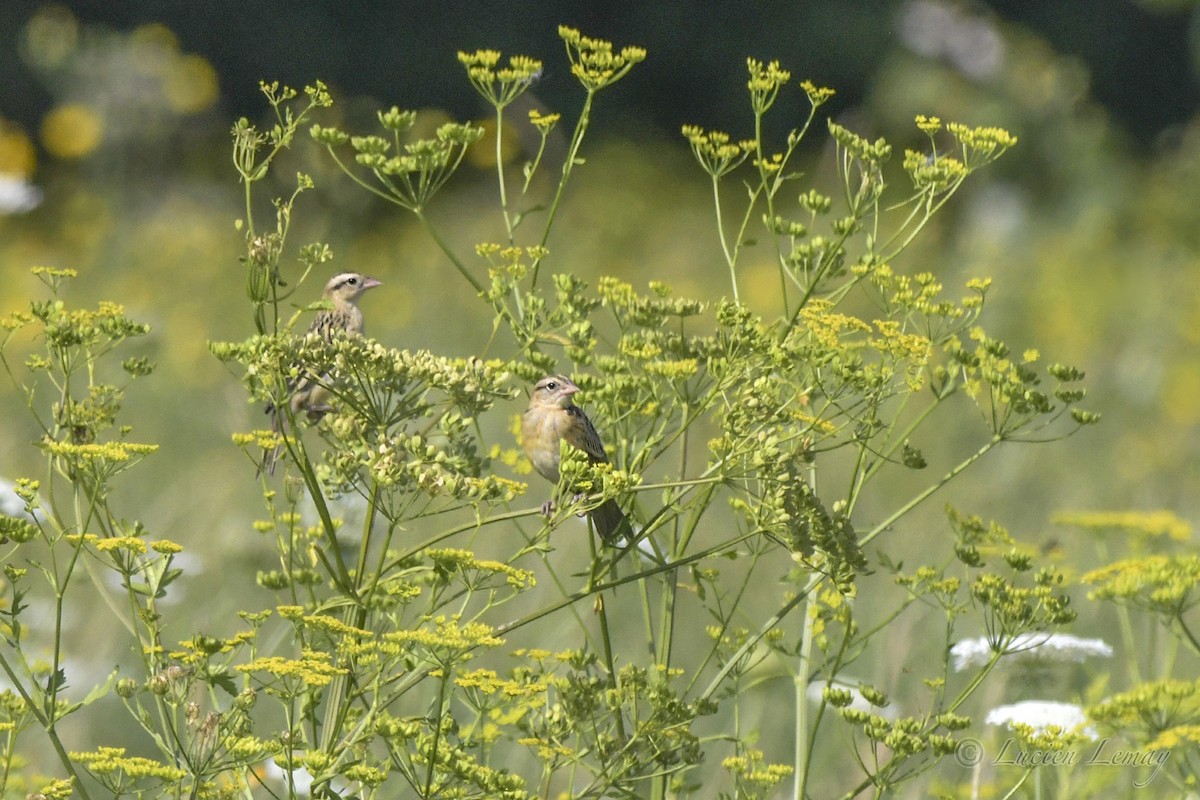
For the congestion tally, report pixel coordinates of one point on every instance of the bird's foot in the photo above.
(547, 508)
(576, 499)
(316, 413)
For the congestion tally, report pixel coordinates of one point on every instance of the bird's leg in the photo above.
(548, 508)
(579, 496)
(317, 413)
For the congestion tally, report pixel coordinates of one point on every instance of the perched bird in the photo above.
(345, 318)
(551, 417)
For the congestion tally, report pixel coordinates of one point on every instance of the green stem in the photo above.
(1187, 632)
(769, 192)
(508, 226)
(613, 584)
(437, 730)
(932, 489)
(48, 726)
(445, 248)
(730, 258)
(753, 641)
(1131, 648)
(931, 208)
(606, 640)
(803, 755)
(572, 158)
(670, 587)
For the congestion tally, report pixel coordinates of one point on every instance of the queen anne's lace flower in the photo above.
(1042, 714)
(18, 195)
(1059, 647)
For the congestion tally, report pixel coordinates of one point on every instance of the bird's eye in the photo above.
(552, 386)
(352, 281)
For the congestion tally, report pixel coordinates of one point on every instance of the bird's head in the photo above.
(347, 287)
(554, 390)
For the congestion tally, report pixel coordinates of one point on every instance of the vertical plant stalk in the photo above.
(803, 753)
(730, 257)
(445, 248)
(48, 725)
(568, 166)
(443, 682)
(508, 223)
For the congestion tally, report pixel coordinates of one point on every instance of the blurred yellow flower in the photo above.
(1180, 392)
(1136, 523)
(483, 155)
(150, 44)
(191, 84)
(16, 151)
(152, 52)
(49, 37)
(72, 130)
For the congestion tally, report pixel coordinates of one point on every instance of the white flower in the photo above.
(13, 506)
(301, 777)
(646, 547)
(18, 195)
(970, 42)
(1041, 714)
(1060, 647)
(350, 509)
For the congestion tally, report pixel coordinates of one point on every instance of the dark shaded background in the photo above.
(1138, 54)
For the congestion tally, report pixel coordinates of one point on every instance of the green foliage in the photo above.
(749, 445)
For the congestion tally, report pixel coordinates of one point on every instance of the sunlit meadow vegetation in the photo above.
(793, 368)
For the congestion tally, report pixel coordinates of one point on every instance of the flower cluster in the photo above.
(453, 562)
(292, 676)
(1062, 723)
(500, 86)
(594, 62)
(753, 776)
(714, 150)
(1150, 708)
(410, 173)
(1162, 584)
(1007, 389)
(1148, 524)
(120, 773)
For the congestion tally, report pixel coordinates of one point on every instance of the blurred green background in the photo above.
(114, 160)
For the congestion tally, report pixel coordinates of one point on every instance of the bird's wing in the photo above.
(582, 434)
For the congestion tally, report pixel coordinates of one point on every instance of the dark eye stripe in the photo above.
(351, 280)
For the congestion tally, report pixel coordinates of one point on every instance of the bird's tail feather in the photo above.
(611, 523)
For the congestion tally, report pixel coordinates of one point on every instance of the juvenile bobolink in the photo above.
(307, 392)
(553, 416)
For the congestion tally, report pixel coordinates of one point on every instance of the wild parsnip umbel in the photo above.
(432, 633)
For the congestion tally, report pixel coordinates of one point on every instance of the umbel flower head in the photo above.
(1046, 647)
(500, 85)
(1042, 715)
(842, 693)
(594, 62)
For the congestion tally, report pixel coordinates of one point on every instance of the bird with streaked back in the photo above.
(552, 416)
(307, 392)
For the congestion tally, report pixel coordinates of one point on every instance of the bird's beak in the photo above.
(371, 283)
(569, 390)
